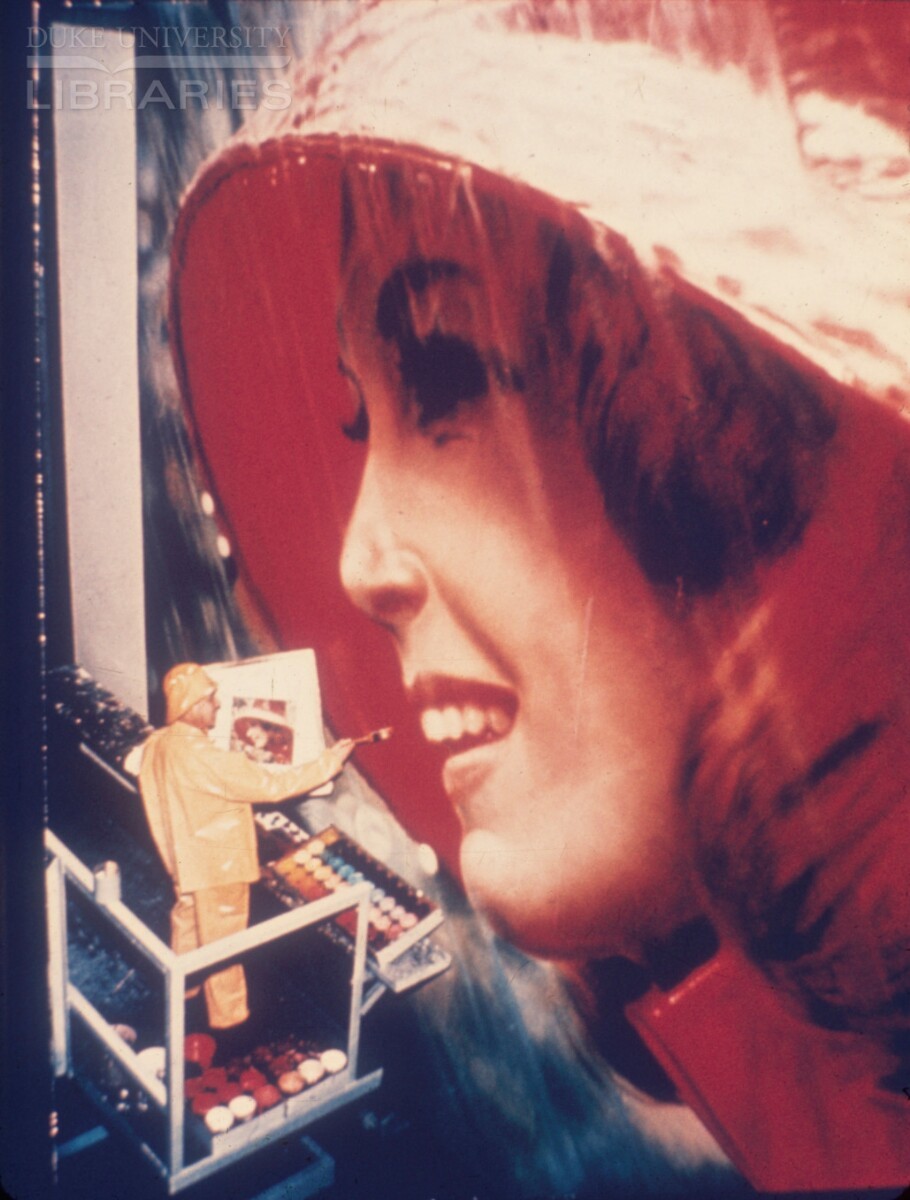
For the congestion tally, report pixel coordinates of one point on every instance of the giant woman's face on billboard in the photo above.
(557, 682)
(392, 421)
(605, 528)
(592, 544)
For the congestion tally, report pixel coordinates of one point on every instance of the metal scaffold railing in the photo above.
(63, 868)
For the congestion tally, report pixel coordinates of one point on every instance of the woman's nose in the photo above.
(383, 578)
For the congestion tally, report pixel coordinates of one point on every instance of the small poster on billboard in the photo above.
(271, 709)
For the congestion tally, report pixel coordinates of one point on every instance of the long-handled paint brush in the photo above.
(378, 735)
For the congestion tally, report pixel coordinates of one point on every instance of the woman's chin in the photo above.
(527, 895)
(574, 902)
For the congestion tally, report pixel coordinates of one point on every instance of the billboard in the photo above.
(539, 371)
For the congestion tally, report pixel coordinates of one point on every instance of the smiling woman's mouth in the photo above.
(459, 714)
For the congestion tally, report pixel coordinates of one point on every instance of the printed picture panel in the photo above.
(271, 709)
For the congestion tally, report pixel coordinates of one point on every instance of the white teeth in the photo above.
(473, 719)
(497, 720)
(433, 724)
(451, 724)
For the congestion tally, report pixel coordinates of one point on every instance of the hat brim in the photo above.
(253, 309)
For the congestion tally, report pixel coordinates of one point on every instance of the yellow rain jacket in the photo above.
(197, 799)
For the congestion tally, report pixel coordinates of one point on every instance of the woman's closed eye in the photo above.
(358, 429)
(439, 374)
(439, 370)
